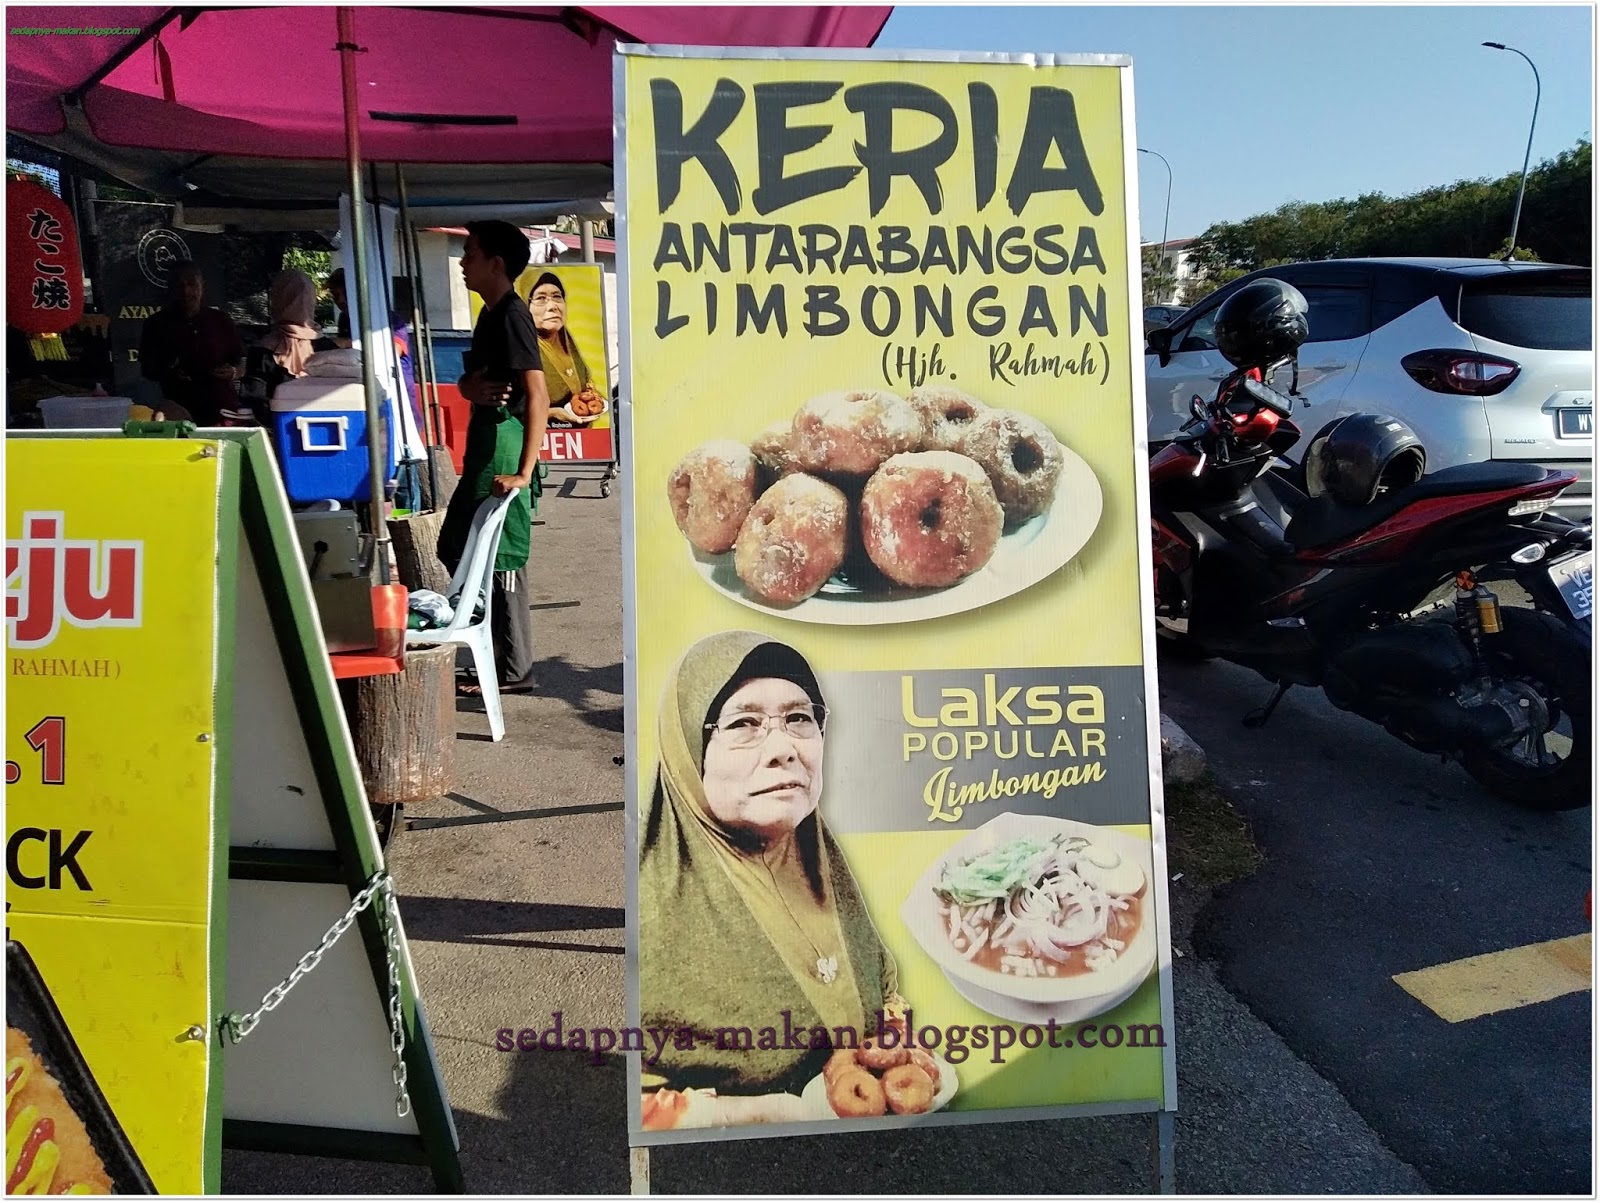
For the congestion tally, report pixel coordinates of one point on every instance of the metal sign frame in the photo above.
(1162, 1109)
(255, 509)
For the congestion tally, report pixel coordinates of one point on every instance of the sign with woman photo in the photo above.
(894, 779)
(568, 306)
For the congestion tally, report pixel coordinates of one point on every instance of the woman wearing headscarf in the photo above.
(292, 301)
(281, 353)
(747, 906)
(566, 375)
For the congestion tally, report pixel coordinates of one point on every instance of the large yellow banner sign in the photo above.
(899, 850)
(111, 646)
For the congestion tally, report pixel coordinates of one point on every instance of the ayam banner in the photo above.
(894, 777)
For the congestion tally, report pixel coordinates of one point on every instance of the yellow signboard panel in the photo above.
(111, 769)
(898, 848)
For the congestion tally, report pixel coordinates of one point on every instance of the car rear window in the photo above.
(1548, 315)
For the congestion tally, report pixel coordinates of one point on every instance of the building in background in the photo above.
(1179, 256)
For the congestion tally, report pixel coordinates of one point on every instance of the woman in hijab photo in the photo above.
(573, 396)
(747, 907)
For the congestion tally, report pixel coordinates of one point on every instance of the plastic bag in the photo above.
(433, 608)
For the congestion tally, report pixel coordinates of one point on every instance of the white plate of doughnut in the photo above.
(871, 1081)
(581, 410)
(869, 508)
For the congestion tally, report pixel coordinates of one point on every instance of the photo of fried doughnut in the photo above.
(885, 1079)
(48, 1150)
(864, 492)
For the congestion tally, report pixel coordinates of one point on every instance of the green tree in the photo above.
(1470, 219)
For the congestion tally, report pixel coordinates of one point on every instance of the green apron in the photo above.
(494, 448)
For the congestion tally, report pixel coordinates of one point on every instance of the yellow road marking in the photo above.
(1500, 981)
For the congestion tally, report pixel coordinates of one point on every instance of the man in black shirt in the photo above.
(510, 406)
(193, 351)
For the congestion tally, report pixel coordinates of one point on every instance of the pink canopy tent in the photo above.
(435, 85)
(192, 94)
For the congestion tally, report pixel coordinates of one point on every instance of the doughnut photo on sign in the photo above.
(866, 507)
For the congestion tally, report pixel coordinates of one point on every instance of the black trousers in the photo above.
(511, 627)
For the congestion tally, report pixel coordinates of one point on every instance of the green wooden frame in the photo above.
(223, 735)
(249, 475)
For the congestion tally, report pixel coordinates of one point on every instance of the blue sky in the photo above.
(1254, 105)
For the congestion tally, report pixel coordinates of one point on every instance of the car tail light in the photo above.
(1464, 372)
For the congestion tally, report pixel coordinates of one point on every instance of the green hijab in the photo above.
(731, 936)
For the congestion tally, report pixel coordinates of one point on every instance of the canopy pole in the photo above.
(432, 394)
(409, 274)
(586, 239)
(409, 266)
(376, 424)
(388, 296)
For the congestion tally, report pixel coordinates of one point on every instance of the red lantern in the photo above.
(44, 268)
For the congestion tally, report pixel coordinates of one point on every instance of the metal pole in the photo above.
(1168, 216)
(419, 308)
(376, 424)
(586, 237)
(403, 398)
(1163, 1153)
(431, 390)
(411, 270)
(1527, 155)
(408, 273)
(427, 343)
(639, 1170)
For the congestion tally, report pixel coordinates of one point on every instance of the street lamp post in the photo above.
(1167, 216)
(1516, 215)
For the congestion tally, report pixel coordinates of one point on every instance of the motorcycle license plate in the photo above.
(1575, 578)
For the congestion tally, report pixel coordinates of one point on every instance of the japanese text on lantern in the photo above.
(50, 290)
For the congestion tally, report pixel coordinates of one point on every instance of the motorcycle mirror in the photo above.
(1197, 407)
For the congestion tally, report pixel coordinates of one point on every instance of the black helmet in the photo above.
(1262, 323)
(1356, 458)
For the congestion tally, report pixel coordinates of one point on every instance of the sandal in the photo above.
(522, 688)
(525, 687)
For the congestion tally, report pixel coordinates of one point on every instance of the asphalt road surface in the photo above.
(512, 891)
(1379, 861)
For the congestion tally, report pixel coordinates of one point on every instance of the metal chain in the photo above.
(397, 1029)
(235, 1027)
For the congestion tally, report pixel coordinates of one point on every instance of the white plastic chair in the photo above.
(471, 586)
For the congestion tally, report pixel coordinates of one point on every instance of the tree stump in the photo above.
(404, 728)
(415, 540)
(445, 470)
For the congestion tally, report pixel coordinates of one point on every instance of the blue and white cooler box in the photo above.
(319, 426)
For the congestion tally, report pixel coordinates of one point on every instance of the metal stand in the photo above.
(1258, 718)
(1162, 1151)
(639, 1171)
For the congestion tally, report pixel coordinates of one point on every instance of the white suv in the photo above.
(1484, 360)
